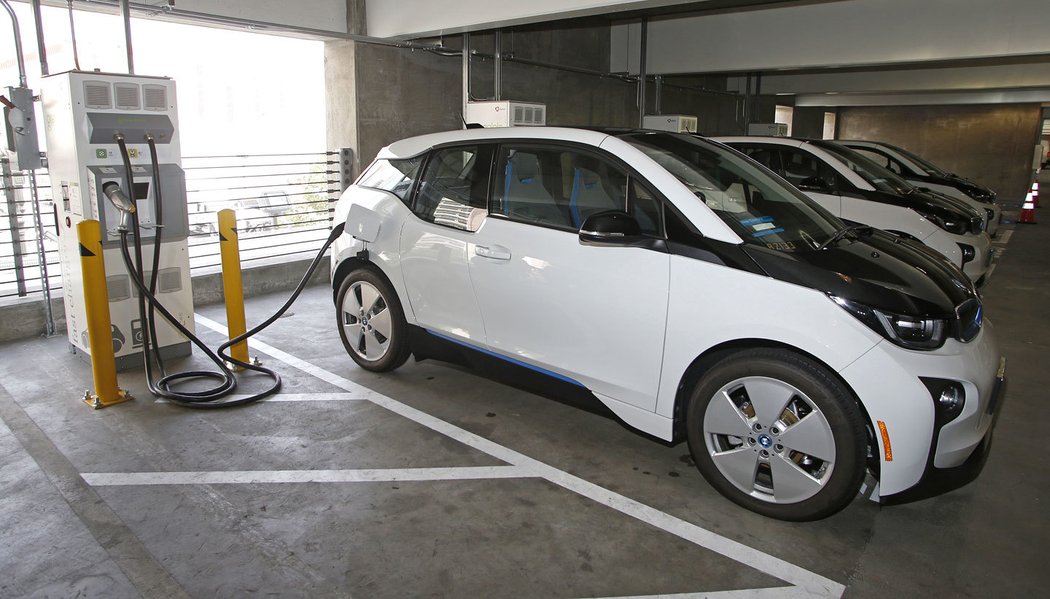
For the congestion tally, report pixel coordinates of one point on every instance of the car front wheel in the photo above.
(777, 433)
(371, 321)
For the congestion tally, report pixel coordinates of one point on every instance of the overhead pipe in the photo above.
(125, 15)
(40, 47)
(466, 76)
(18, 44)
(641, 71)
(497, 67)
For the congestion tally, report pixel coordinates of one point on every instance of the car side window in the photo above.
(767, 157)
(395, 176)
(454, 188)
(556, 187)
(802, 168)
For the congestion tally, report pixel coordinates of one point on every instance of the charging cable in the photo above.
(165, 386)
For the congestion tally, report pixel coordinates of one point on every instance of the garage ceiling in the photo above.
(825, 52)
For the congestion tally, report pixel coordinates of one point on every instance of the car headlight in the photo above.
(953, 225)
(910, 332)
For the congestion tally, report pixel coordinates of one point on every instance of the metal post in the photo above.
(8, 182)
(45, 283)
(747, 103)
(658, 82)
(40, 46)
(125, 14)
(466, 75)
(643, 49)
(497, 66)
(232, 286)
(346, 168)
(96, 304)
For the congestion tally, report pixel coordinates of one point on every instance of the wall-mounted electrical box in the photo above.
(506, 113)
(679, 123)
(768, 129)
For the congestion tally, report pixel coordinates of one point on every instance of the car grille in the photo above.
(969, 316)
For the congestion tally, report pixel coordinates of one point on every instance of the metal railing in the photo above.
(283, 202)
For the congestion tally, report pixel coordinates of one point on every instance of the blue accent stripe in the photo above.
(555, 375)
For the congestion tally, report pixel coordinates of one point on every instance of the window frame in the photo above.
(430, 154)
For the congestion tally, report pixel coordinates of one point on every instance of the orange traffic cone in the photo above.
(1035, 194)
(1027, 211)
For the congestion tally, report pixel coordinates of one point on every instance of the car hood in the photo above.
(975, 190)
(931, 202)
(877, 269)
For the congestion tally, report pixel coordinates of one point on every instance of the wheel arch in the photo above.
(702, 363)
(353, 263)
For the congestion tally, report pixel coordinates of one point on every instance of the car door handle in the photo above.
(495, 252)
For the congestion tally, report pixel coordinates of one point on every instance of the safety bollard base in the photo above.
(98, 403)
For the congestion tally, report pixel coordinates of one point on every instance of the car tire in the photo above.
(777, 433)
(371, 321)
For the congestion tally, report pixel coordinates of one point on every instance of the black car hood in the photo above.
(874, 268)
(975, 190)
(928, 202)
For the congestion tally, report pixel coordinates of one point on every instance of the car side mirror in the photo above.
(814, 184)
(611, 227)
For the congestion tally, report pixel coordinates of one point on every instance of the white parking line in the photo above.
(806, 583)
(240, 477)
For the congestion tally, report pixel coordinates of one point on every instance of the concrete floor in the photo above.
(433, 481)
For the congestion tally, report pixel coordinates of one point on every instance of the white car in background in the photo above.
(692, 292)
(922, 173)
(855, 189)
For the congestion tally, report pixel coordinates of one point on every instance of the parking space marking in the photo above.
(806, 583)
(295, 397)
(240, 477)
(770, 593)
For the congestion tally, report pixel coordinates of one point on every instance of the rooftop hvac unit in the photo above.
(506, 113)
(679, 123)
(769, 129)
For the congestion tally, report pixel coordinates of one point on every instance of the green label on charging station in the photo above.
(101, 153)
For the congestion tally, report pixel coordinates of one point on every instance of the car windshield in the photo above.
(881, 178)
(760, 207)
(924, 164)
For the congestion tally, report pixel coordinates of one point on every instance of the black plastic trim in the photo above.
(937, 481)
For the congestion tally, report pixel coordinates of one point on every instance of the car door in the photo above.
(450, 205)
(593, 315)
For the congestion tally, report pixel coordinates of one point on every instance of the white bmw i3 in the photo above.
(688, 289)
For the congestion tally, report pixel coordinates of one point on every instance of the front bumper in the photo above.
(936, 480)
(887, 381)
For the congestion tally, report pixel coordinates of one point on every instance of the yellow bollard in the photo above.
(232, 287)
(96, 304)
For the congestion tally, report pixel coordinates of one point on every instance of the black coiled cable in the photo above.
(164, 387)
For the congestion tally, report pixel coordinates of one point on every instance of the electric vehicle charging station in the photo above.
(85, 114)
